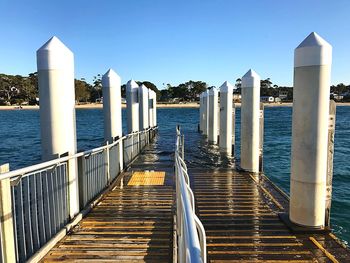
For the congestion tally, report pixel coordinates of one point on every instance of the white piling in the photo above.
(225, 142)
(132, 106)
(201, 106)
(150, 108)
(55, 64)
(213, 116)
(112, 106)
(206, 112)
(312, 67)
(154, 110)
(143, 107)
(250, 111)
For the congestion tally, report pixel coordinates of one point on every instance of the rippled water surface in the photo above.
(20, 146)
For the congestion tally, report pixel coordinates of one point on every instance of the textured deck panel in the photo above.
(240, 216)
(133, 223)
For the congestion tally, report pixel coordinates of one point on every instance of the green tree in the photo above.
(82, 91)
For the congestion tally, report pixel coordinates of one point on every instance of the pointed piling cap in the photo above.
(143, 88)
(132, 86)
(251, 79)
(313, 51)
(213, 91)
(54, 55)
(226, 87)
(110, 79)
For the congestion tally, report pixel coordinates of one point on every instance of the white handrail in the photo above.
(190, 231)
(27, 170)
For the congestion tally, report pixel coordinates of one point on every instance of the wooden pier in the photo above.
(132, 222)
(239, 213)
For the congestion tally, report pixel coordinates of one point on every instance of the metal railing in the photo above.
(191, 238)
(39, 194)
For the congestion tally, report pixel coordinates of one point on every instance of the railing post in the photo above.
(312, 67)
(7, 231)
(250, 122)
(225, 137)
(108, 173)
(261, 138)
(82, 182)
(55, 64)
(331, 131)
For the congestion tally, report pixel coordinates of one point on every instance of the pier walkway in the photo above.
(240, 215)
(134, 222)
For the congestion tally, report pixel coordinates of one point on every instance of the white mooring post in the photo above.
(201, 112)
(112, 110)
(112, 106)
(206, 113)
(250, 112)
(213, 116)
(132, 106)
(143, 107)
(225, 142)
(7, 240)
(150, 108)
(55, 64)
(154, 110)
(312, 67)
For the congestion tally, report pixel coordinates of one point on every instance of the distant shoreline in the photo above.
(159, 105)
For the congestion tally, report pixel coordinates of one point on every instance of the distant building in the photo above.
(268, 99)
(337, 97)
(283, 95)
(277, 99)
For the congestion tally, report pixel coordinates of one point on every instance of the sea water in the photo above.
(20, 146)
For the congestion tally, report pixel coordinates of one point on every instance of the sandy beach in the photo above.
(159, 105)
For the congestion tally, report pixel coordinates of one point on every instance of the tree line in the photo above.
(16, 89)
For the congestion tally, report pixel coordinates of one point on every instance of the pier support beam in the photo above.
(312, 67)
(143, 107)
(213, 116)
(206, 113)
(225, 142)
(112, 107)
(55, 64)
(250, 112)
(132, 106)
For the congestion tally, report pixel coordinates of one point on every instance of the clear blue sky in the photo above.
(175, 41)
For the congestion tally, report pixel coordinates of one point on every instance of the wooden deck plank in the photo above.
(130, 224)
(240, 216)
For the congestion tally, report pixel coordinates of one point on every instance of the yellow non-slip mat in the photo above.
(143, 178)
